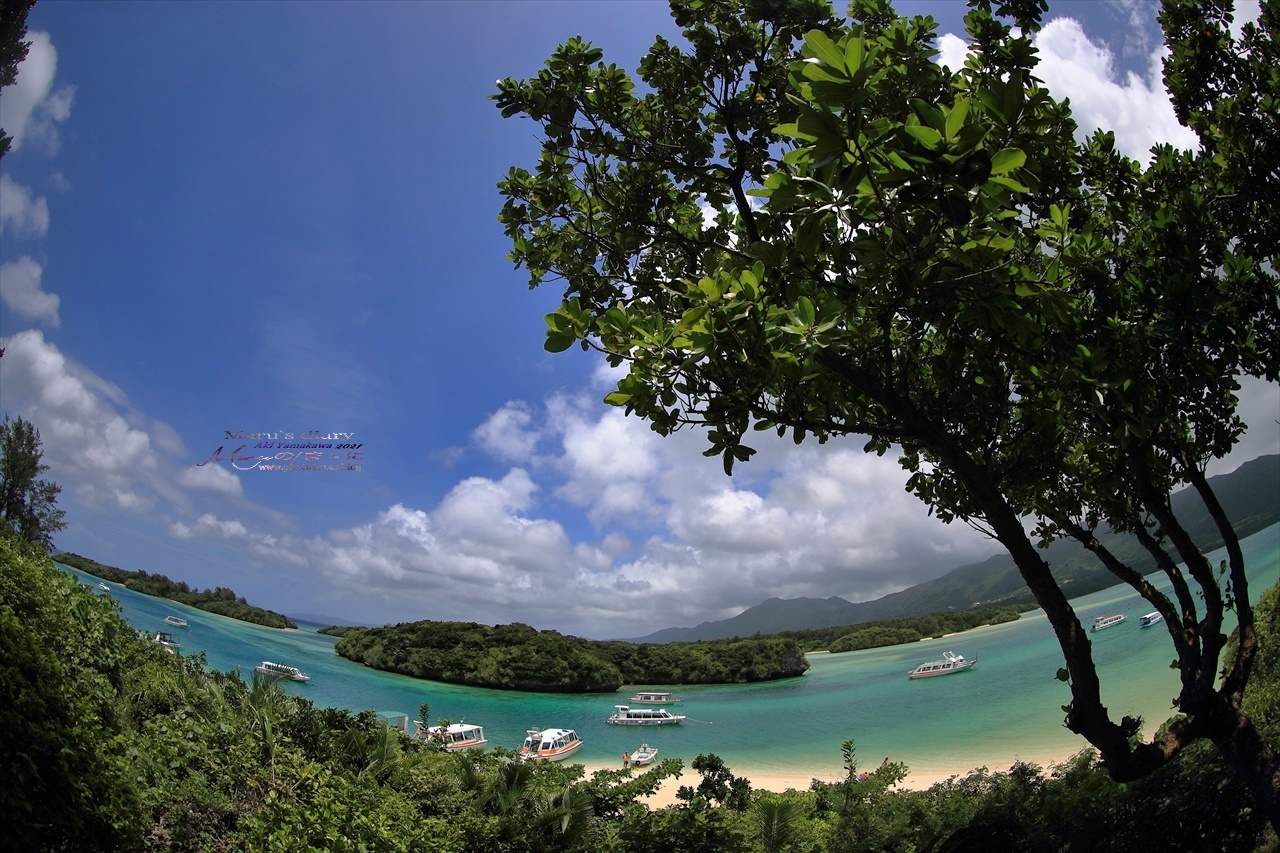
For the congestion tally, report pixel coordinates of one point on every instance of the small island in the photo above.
(518, 657)
(222, 601)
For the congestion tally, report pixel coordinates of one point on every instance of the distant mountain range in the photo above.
(1250, 495)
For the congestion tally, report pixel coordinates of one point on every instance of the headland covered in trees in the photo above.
(518, 657)
(220, 600)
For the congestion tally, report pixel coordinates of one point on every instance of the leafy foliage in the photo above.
(518, 657)
(1044, 329)
(28, 502)
(116, 745)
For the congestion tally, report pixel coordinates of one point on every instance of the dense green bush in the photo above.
(518, 657)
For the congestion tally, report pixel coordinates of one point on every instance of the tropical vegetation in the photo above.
(518, 657)
(28, 502)
(801, 223)
(220, 600)
(109, 743)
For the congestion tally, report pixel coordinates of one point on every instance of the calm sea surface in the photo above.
(1005, 708)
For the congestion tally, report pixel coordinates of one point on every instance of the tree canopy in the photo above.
(802, 223)
(28, 502)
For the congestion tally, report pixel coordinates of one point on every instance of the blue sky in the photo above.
(281, 217)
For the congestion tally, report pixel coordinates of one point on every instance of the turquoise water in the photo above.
(1004, 709)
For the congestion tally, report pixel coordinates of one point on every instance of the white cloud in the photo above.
(506, 434)
(20, 213)
(20, 290)
(1136, 108)
(952, 51)
(211, 477)
(209, 526)
(30, 109)
(86, 440)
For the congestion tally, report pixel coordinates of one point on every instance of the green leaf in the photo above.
(926, 136)
(817, 44)
(956, 117)
(1006, 160)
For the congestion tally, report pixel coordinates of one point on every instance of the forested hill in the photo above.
(222, 600)
(518, 657)
(1249, 495)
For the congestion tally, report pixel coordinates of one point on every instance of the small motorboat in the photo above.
(281, 671)
(549, 744)
(644, 755)
(651, 698)
(175, 621)
(168, 642)
(104, 587)
(457, 737)
(1103, 622)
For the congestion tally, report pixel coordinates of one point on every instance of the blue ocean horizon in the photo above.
(1006, 709)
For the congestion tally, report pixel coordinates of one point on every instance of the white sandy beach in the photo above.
(917, 780)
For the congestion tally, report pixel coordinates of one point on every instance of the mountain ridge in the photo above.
(1248, 495)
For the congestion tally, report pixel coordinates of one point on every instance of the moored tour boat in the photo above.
(650, 698)
(456, 737)
(549, 744)
(281, 670)
(644, 755)
(170, 644)
(951, 662)
(1150, 619)
(628, 716)
(175, 621)
(1102, 622)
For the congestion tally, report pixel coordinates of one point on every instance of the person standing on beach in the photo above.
(626, 761)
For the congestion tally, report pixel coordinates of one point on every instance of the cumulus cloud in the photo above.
(694, 545)
(31, 109)
(21, 214)
(1135, 106)
(86, 440)
(507, 433)
(213, 478)
(20, 289)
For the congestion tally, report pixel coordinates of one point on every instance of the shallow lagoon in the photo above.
(1005, 709)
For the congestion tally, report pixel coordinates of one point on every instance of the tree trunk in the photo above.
(1253, 760)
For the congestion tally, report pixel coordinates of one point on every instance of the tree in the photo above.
(27, 502)
(13, 49)
(1045, 330)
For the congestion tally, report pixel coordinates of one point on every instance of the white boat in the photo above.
(1103, 622)
(170, 644)
(644, 755)
(1150, 619)
(281, 670)
(175, 621)
(104, 587)
(654, 698)
(549, 744)
(628, 716)
(951, 662)
(456, 737)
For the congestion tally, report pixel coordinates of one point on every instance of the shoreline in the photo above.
(779, 782)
